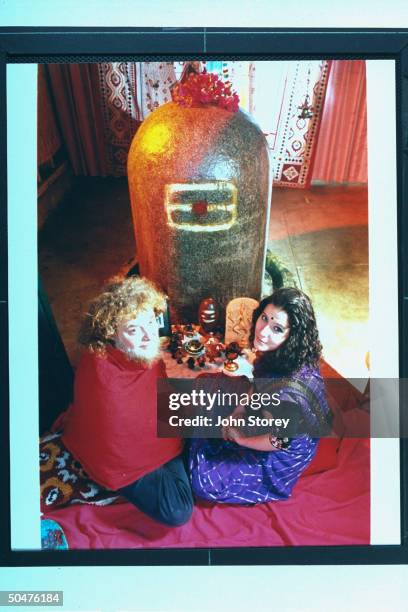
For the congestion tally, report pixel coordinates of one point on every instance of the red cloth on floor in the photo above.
(327, 508)
(111, 427)
(330, 508)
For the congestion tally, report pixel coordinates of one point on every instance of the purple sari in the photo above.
(224, 472)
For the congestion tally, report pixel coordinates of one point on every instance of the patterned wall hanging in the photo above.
(120, 111)
(129, 92)
(155, 82)
(294, 138)
(275, 94)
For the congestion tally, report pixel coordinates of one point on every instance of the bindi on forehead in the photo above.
(278, 316)
(275, 318)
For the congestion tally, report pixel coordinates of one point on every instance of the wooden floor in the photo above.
(320, 235)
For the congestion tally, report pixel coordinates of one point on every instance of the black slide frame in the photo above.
(58, 44)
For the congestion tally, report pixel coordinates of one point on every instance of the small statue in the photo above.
(208, 315)
(175, 343)
(213, 347)
(239, 320)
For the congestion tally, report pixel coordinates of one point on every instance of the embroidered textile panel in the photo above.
(120, 111)
(294, 142)
(273, 93)
(130, 91)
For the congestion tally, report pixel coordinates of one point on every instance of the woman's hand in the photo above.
(263, 442)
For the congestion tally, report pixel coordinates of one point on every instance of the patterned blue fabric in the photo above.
(225, 472)
(52, 536)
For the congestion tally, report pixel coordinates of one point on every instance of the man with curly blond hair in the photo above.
(111, 427)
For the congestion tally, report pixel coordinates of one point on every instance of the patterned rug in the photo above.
(64, 481)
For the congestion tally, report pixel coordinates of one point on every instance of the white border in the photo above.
(22, 206)
(23, 304)
(383, 289)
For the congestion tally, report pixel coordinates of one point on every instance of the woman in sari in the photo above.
(243, 469)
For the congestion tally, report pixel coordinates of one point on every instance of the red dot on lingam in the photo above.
(200, 207)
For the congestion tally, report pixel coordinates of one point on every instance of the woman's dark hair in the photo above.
(302, 347)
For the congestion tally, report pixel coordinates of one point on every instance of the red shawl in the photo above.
(111, 427)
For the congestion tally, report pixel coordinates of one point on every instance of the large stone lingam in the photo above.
(200, 187)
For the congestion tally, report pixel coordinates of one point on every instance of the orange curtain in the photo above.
(48, 137)
(97, 112)
(341, 155)
(75, 89)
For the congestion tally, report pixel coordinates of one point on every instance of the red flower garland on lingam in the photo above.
(205, 89)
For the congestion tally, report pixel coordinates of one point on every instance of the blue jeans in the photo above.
(164, 494)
